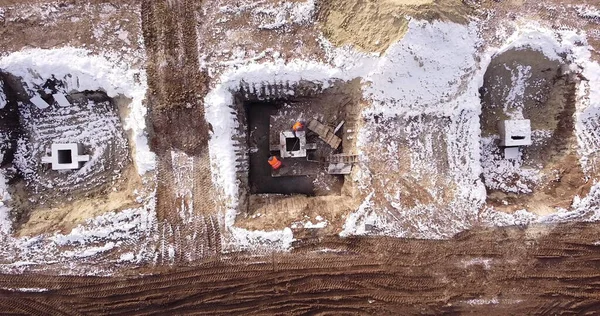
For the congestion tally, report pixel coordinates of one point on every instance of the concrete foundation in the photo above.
(515, 133)
(511, 152)
(66, 157)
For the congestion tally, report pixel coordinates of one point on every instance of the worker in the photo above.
(298, 126)
(274, 162)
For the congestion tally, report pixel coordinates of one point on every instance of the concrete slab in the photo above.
(66, 157)
(515, 133)
(39, 102)
(61, 99)
(511, 152)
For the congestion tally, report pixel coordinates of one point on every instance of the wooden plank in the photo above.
(325, 133)
(343, 158)
(339, 168)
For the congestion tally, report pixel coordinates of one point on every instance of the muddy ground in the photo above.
(509, 271)
(177, 127)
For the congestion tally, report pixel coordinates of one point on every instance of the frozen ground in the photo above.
(419, 144)
(82, 71)
(422, 124)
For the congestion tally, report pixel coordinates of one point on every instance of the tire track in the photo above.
(177, 88)
(365, 280)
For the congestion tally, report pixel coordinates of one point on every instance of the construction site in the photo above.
(327, 157)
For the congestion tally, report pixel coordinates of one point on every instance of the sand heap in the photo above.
(372, 26)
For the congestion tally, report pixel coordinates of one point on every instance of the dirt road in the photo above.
(509, 271)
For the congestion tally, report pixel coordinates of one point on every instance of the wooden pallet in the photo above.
(325, 133)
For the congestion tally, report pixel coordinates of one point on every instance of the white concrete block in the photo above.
(39, 102)
(66, 157)
(515, 133)
(511, 152)
(61, 99)
(301, 138)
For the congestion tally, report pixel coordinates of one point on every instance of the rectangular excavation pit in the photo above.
(263, 121)
(261, 180)
(266, 120)
(292, 144)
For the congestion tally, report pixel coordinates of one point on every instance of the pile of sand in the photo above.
(373, 26)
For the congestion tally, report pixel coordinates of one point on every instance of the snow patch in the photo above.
(27, 289)
(2, 95)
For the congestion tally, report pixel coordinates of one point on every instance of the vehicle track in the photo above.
(497, 271)
(176, 110)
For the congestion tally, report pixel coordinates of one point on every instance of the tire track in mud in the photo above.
(177, 87)
(545, 270)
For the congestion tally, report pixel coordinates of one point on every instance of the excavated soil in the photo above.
(372, 26)
(178, 131)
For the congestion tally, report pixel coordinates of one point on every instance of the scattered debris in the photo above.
(61, 99)
(338, 127)
(339, 168)
(39, 102)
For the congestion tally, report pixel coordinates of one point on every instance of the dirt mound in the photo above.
(373, 26)
(279, 212)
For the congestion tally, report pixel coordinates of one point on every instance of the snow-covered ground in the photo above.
(80, 71)
(425, 87)
(427, 84)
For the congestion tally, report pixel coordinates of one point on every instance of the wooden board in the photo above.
(325, 133)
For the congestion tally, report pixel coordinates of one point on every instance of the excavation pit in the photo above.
(64, 157)
(524, 87)
(297, 175)
(266, 123)
(292, 144)
(67, 160)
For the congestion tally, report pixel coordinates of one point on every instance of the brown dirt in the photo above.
(390, 158)
(510, 271)
(224, 34)
(48, 24)
(64, 216)
(372, 26)
(279, 213)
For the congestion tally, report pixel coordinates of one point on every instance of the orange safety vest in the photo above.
(274, 162)
(298, 126)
